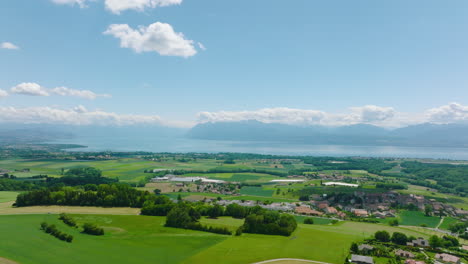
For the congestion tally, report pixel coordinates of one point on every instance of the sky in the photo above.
(181, 62)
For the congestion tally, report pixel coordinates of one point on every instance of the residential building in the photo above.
(444, 257)
(404, 254)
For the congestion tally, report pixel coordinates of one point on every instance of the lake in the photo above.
(183, 145)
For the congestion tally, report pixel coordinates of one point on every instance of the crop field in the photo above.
(416, 218)
(7, 209)
(256, 191)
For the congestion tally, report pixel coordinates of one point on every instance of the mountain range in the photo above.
(429, 135)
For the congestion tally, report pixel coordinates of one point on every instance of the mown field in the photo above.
(144, 239)
(7, 196)
(416, 218)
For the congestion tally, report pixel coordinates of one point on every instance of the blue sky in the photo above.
(327, 56)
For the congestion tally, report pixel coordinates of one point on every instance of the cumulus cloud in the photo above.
(3, 93)
(35, 89)
(32, 89)
(117, 6)
(369, 114)
(78, 116)
(80, 3)
(8, 45)
(451, 113)
(157, 37)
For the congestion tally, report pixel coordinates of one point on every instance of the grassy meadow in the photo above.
(144, 239)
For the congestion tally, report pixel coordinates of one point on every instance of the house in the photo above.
(331, 210)
(412, 261)
(365, 248)
(465, 247)
(360, 212)
(420, 242)
(358, 259)
(404, 254)
(461, 212)
(306, 210)
(341, 214)
(322, 205)
(447, 258)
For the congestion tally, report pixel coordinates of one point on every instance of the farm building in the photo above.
(341, 184)
(358, 259)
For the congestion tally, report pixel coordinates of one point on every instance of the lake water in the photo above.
(183, 145)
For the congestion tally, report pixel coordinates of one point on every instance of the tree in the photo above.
(382, 236)
(399, 238)
(428, 210)
(393, 222)
(354, 248)
(309, 221)
(178, 217)
(435, 241)
(215, 211)
(157, 191)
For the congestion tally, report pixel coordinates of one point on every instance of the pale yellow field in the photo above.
(7, 209)
(7, 261)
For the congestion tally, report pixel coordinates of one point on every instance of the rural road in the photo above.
(291, 259)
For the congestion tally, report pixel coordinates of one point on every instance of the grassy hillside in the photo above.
(144, 239)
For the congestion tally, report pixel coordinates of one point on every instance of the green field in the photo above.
(256, 191)
(7, 196)
(447, 222)
(317, 220)
(144, 239)
(416, 218)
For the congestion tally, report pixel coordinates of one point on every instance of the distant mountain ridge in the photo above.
(430, 135)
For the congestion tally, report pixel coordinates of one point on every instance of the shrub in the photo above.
(92, 229)
(52, 229)
(67, 220)
(309, 221)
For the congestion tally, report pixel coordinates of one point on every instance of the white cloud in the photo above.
(157, 37)
(65, 91)
(33, 89)
(80, 3)
(117, 6)
(3, 93)
(78, 116)
(369, 114)
(201, 46)
(8, 45)
(451, 113)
